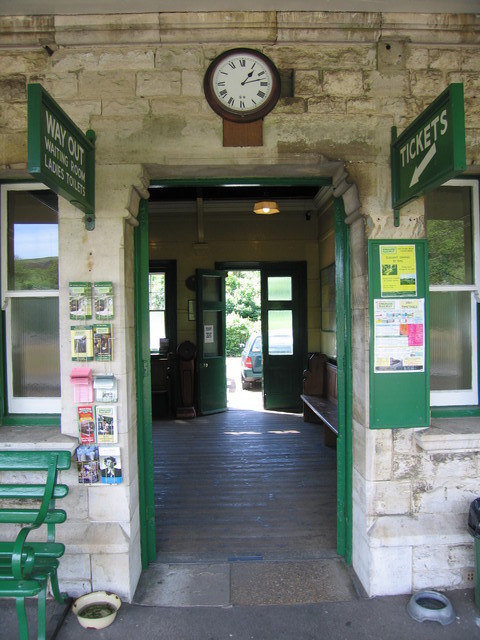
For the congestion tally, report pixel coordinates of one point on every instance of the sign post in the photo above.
(59, 154)
(431, 150)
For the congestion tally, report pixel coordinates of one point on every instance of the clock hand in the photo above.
(246, 79)
(249, 81)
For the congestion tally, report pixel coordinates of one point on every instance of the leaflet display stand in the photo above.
(186, 352)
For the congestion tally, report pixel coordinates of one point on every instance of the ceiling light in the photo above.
(266, 207)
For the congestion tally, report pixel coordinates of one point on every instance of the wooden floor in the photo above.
(243, 485)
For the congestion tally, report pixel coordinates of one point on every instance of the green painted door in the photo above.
(211, 365)
(284, 334)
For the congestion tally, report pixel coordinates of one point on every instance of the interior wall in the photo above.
(242, 237)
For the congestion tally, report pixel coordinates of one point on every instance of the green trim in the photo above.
(344, 383)
(455, 412)
(31, 420)
(144, 398)
(252, 181)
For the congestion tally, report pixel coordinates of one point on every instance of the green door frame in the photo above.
(344, 368)
(344, 382)
(144, 389)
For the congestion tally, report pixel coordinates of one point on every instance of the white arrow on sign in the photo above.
(423, 164)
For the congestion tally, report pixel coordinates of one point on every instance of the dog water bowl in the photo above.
(96, 610)
(431, 605)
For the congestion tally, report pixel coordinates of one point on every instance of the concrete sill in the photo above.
(38, 438)
(450, 435)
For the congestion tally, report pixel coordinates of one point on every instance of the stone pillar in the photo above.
(102, 532)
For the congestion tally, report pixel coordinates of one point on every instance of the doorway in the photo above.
(343, 465)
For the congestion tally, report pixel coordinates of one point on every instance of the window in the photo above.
(30, 298)
(156, 305)
(162, 304)
(451, 214)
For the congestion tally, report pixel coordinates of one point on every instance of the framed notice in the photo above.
(327, 285)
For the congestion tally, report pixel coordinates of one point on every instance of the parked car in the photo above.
(251, 362)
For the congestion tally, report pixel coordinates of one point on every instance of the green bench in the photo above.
(26, 566)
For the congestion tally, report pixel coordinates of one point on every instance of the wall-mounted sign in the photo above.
(431, 150)
(59, 154)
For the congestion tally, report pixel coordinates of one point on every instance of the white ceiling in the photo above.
(67, 7)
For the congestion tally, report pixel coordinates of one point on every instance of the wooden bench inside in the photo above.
(26, 567)
(320, 403)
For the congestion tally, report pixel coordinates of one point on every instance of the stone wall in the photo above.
(136, 80)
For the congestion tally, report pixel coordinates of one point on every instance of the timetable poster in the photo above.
(399, 335)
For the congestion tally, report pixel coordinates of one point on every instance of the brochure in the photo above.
(102, 342)
(80, 300)
(106, 420)
(88, 465)
(110, 465)
(81, 339)
(86, 424)
(103, 300)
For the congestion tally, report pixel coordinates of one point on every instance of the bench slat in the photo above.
(30, 491)
(11, 588)
(324, 409)
(41, 549)
(33, 460)
(27, 516)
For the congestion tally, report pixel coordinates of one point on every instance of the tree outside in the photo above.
(243, 309)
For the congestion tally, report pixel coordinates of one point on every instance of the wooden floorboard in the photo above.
(243, 484)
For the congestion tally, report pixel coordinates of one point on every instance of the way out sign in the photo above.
(431, 150)
(59, 154)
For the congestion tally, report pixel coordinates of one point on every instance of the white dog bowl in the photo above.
(96, 610)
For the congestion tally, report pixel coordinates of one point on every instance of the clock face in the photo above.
(242, 85)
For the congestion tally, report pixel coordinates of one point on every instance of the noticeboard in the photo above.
(399, 334)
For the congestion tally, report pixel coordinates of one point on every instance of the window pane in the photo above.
(280, 288)
(156, 291)
(157, 329)
(280, 333)
(212, 288)
(32, 240)
(449, 230)
(450, 340)
(35, 352)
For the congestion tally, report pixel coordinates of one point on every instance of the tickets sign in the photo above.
(431, 150)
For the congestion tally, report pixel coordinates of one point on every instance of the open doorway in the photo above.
(225, 237)
(244, 358)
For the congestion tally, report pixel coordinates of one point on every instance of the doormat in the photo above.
(304, 582)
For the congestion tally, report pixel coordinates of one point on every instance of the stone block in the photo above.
(445, 59)
(343, 83)
(74, 567)
(192, 83)
(388, 498)
(106, 84)
(159, 83)
(108, 503)
(380, 85)
(15, 115)
(181, 58)
(98, 29)
(111, 572)
(128, 108)
(427, 84)
(442, 567)
(390, 571)
(307, 83)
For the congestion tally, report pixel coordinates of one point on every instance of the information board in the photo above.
(399, 334)
(59, 154)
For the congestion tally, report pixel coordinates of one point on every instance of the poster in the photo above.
(398, 270)
(399, 335)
